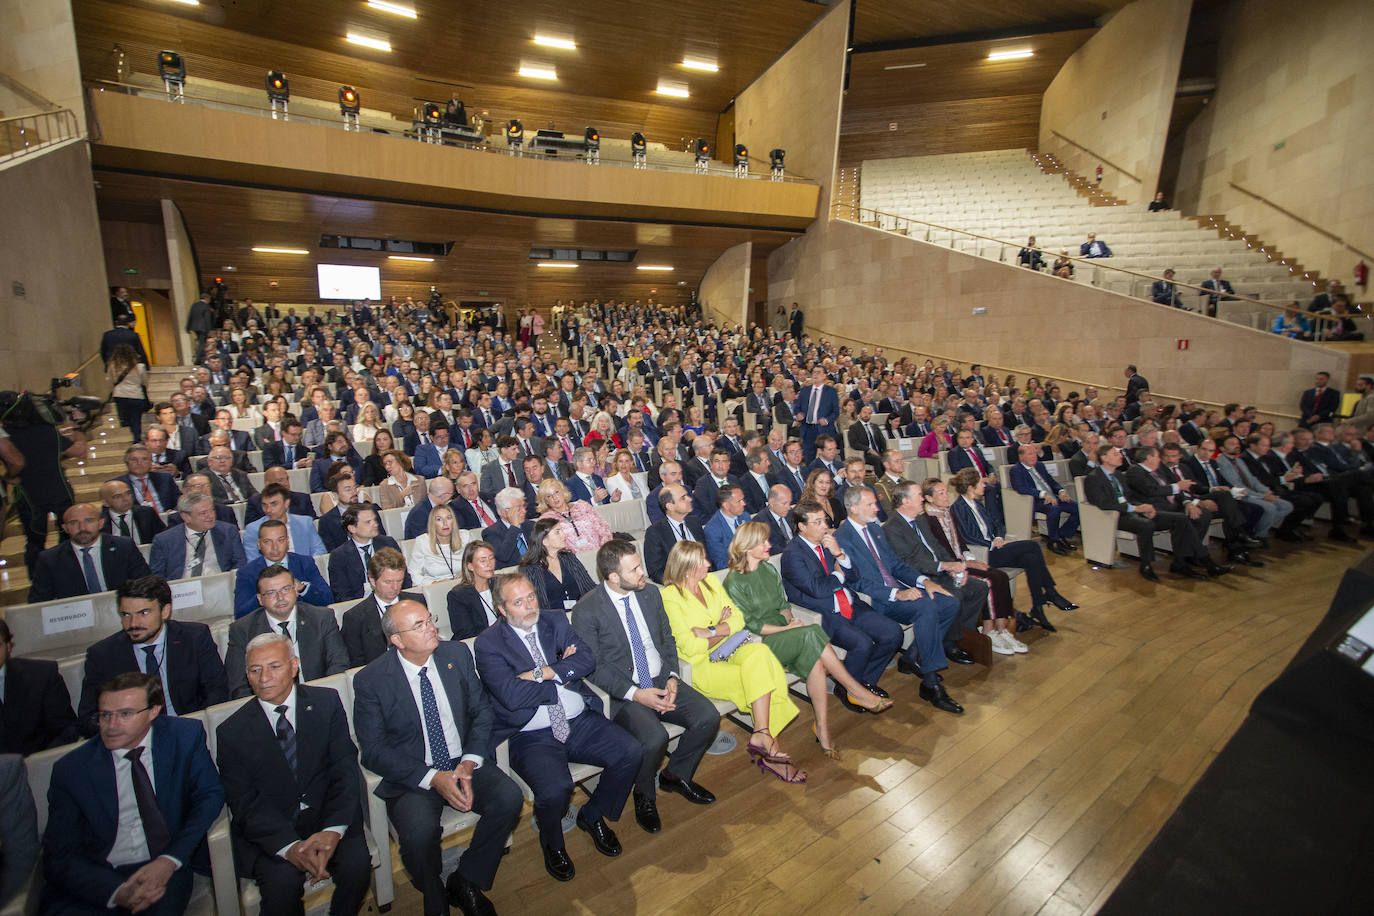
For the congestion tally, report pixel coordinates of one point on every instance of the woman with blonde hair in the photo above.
(711, 637)
(369, 421)
(625, 479)
(453, 465)
(803, 649)
(937, 440)
(583, 527)
(400, 488)
(434, 556)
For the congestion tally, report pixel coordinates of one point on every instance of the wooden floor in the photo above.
(1036, 800)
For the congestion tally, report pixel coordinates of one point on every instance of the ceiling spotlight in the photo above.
(676, 90)
(387, 7)
(536, 72)
(1021, 54)
(376, 44)
(562, 44)
(704, 66)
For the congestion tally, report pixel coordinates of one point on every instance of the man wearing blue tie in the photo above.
(1029, 478)
(721, 528)
(510, 535)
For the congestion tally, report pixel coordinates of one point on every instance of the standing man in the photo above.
(796, 321)
(200, 320)
(1320, 402)
(818, 407)
(43, 489)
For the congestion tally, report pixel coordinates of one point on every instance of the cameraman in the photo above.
(42, 484)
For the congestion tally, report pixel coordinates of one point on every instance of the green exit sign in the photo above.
(483, 293)
(131, 271)
(1280, 145)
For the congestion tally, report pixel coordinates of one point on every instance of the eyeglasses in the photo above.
(284, 590)
(119, 715)
(423, 625)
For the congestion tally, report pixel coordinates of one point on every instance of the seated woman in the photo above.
(369, 423)
(894, 428)
(820, 489)
(603, 428)
(630, 483)
(404, 424)
(1063, 266)
(558, 576)
(695, 423)
(980, 528)
(702, 618)
(937, 440)
(601, 452)
(401, 488)
(434, 556)
(482, 450)
(755, 587)
(374, 472)
(470, 607)
(454, 465)
(1058, 444)
(583, 528)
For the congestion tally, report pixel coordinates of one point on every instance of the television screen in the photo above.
(346, 281)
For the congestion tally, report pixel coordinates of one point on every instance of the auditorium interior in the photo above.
(879, 165)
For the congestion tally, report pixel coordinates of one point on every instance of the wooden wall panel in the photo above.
(940, 127)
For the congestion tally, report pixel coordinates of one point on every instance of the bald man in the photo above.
(122, 516)
(88, 562)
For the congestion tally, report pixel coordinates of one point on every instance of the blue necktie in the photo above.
(88, 569)
(520, 543)
(286, 737)
(434, 728)
(641, 657)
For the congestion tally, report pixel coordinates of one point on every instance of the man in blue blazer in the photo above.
(1092, 248)
(348, 562)
(89, 864)
(533, 664)
(825, 584)
(704, 502)
(429, 456)
(584, 484)
(901, 593)
(817, 409)
(721, 527)
(151, 488)
(966, 454)
(305, 540)
(272, 551)
(512, 533)
(62, 571)
(174, 556)
(425, 769)
(1029, 478)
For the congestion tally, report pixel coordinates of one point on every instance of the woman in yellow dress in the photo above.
(702, 618)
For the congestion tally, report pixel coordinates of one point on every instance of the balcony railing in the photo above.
(25, 134)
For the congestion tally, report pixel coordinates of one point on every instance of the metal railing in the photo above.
(395, 128)
(25, 134)
(1103, 159)
(1226, 309)
(1308, 224)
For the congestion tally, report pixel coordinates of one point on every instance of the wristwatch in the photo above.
(711, 632)
(539, 675)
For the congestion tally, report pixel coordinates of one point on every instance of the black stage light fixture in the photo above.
(515, 133)
(741, 156)
(775, 158)
(593, 139)
(639, 149)
(702, 150)
(278, 87)
(348, 100)
(432, 114)
(171, 67)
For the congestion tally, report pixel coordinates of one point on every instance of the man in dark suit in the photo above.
(438, 492)
(154, 489)
(867, 440)
(336, 448)
(348, 562)
(1135, 383)
(1320, 402)
(467, 504)
(312, 630)
(362, 624)
(1029, 478)
(199, 546)
(1092, 248)
(1164, 292)
(118, 836)
(1104, 490)
(1182, 469)
(796, 321)
(180, 653)
(88, 562)
(272, 551)
(1144, 484)
(433, 752)
(754, 480)
(793, 473)
(287, 452)
(240, 440)
(1215, 289)
(585, 484)
(902, 594)
(290, 776)
(122, 333)
(533, 664)
(35, 707)
(636, 665)
(704, 503)
(816, 575)
(228, 484)
(120, 516)
(818, 407)
(678, 523)
(776, 514)
(297, 503)
(511, 534)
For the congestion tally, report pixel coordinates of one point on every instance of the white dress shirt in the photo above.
(159, 646)
(130, 843)
(128, 519)
(451, 739)
(210, 564)
(650, 650)
(95, 559)
(434, 563)
(571, 699)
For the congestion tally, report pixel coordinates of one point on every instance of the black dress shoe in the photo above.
(1248, 542)
(1067, 544)
(938, 697)
(697, 795)
(468, 897)
(1147, 572)
(1241, 558)
(1291, 537)
(1064, 604)
(557, 863)
(1037, 614)
(906, 667)
(958, 656)
(1214, 569)
(843, 696)
(646, 813)
(877, 691)
(603, 837)
(1186, 572)
(1023, 622)
(1058, 548)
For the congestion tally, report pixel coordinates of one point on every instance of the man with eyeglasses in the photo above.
(290, 775)
(424, 722)
(678, 524)
(127, 812)
(312, 630)
(181, 654)
(272, 551)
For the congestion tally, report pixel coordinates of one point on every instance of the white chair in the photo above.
(394, 522)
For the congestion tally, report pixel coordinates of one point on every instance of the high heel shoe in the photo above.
(788, 773)
(831, 753)
(756, 753)
(880, 706)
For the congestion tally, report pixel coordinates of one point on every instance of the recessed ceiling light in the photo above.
(188, 2)
(538, 73)
(705, 66)
(263, 249)
(377, 44)
(904, 66)
(676, 90)
(1011, 55)
(561, 265)
(398, 9)
(402, 257)
(653, 267)
(548, 41)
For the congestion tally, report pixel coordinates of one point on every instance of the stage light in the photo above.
(173, 71)
(264, 249)
(563, 44)
(1011, 55)
(278, 93)
(429, 127)
(515, 135)
(775, 159)
(705, 66)
(741, 159)
(348, 100)
(638, 149)
(376, 44)
(433, 114)
(591, 137)
(396, 8)
(701, 152)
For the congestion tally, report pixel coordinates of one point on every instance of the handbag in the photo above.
(729, 644)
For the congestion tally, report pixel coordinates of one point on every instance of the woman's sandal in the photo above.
(787, 773)
(831, 753)
(879, 707)
(756, 752)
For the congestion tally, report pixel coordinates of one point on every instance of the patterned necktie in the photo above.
(286, 736)
(124, 530)
(841, 596)
(510, 475)
(882, 567)
(154, 825)
(230, 488)
(482, 512)
(558, 716)
(641, 657)
(149, 497)
(88, 570)
(434, 726)
(197, 557)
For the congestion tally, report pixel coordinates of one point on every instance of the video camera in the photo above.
(23, 409)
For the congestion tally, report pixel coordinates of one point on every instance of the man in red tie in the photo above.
(967, 454)
(472, 510)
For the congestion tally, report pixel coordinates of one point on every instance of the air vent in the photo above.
(387, 246)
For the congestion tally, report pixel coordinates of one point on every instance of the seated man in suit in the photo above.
(1215, 289)
(157, 491)
(624, 624)
(677, 524)
(1186, 520)
(240, 440)
(18, 828)
(533, 664)
(200, 546)
(297, 503)
(468, 506)
(120, 836)
(967, 454)
(669, 474)
(1214, 496)
(429, 456)
(289, 452)
(304, 539)
(510, 535)
(754, 480)
(312, 630)
(272, 551)
(362, 623)
(792, 475)
(1165, 293)
(200, 483)
(162, 459)
(1084, 461)
(587, 485)
(88, 562)
(35, 707)
(180, 653)
(438, 492)
(827, 457)
(228, 484)
(776, 514)
(704, 502)
(720, 529)
(336, 448)
(122, 517)
(424, 725)
(899, 592)
(1104, 490)
(290, 776)
(348, 562)
(1092, 248)
(1029, 478)
(818, 576)
(506, 471)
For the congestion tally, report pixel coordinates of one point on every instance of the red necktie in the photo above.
(510, 476)
(482, 512)
(148, 498)
(978, 462)
(567, 448)
(846, 609)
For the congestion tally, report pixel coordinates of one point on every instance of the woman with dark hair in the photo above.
(374, 472)
(820, 489)
(470, 606)
(129, 378)
(558, 576)
(405, 420)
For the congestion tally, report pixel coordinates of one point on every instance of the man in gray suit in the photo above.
(313, 630)
(497, 475)
(636, 664)
(18, 827)
(228, 484)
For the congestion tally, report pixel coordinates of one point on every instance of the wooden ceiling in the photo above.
(490, 254)
(894, 21)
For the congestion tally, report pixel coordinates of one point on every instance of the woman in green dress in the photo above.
(803, 649)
